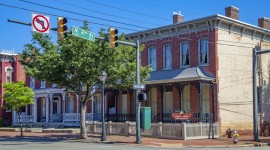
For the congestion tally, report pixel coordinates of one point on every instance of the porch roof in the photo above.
(179, 75)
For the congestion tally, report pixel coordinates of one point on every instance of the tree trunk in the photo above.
(20, 119)
(82, 120)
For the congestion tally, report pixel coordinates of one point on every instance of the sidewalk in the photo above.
(146, 141)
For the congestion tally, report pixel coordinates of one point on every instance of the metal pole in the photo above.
(255, 100)
(138, 104)
(103, 136)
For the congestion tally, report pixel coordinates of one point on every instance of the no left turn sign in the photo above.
(40, 23)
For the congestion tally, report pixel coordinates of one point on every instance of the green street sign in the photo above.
(85, 34)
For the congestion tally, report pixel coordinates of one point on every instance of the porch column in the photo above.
(35, 110)
(64, 102)
(14, 116)
(51, 107)
(47, 109)
(77, 101)
(200, 99)
(26, 110)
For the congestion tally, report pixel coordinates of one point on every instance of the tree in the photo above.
(77, 63)
(17, 96)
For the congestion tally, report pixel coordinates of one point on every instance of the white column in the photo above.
(26, 110)
(77, 99)
(14, 116)
(35, 110)
(64, 102)
(51, 107)
(47, 109)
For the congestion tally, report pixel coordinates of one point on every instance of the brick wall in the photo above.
(193, 39)
(232, 12)
(264, 23)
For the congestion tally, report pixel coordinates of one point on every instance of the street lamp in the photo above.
(102, 78)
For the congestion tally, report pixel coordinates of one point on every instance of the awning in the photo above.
(179, 75)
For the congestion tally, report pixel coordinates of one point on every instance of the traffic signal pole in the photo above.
(138, 104)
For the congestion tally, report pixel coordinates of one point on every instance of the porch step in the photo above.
(52, 130)
(47, 125)
(10, 129)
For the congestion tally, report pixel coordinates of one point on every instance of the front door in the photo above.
(43, 110)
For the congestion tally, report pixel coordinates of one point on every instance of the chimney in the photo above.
(264, 23)
(177, 17)
(232, 12)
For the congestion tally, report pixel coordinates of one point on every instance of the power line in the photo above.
(104, 13)
(83, 14)
(31, 10)
(126, 10)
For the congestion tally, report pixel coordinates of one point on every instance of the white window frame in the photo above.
(152, 59)
(181, 54)
(42, 84)
(165, 57)
(8, 71)
(32, 82)
(207, 51)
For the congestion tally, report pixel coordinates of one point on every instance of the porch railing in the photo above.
(25, 118)
(57, 117)
(75, 117)
(120, 117)
(196, 117)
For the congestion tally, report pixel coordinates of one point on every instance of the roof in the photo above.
(180, 75)
(212, 18)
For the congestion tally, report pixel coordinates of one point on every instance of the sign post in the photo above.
(85, 34)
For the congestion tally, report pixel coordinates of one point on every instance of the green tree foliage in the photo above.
(17, 96)
(77, 63)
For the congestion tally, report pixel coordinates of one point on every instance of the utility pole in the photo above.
(255, 92)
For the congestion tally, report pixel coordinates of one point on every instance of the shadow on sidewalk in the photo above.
(41, 139)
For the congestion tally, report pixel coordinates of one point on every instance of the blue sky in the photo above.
(126, 15)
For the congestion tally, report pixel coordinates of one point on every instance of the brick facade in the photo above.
(232, 12)
(264, 23)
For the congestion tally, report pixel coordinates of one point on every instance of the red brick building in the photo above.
(204, 66)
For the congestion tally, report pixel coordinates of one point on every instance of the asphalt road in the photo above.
(55, 144)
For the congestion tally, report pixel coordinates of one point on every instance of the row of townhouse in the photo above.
(202, 66)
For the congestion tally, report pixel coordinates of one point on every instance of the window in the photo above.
(205, 100)
(9, 71)
(152, 61)
(186, 99)
(184, 54)
(203, 52)
(167, 51)
(32, 82)
(43, 84)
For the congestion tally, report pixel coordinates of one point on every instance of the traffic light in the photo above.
(62, 28)
(113, 38)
